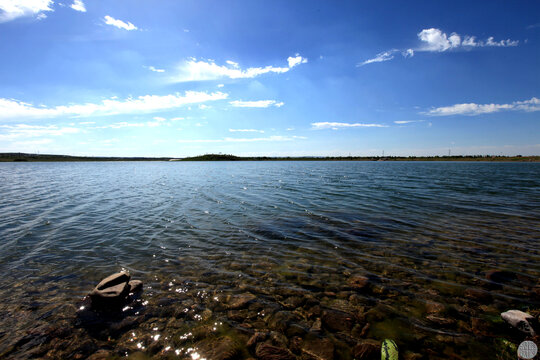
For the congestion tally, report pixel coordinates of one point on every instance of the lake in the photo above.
(320, 258)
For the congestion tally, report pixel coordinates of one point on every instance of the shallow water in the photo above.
(295, 235)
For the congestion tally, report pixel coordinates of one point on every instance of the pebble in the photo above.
(519, 320)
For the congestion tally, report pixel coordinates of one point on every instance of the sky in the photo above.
(181, 78)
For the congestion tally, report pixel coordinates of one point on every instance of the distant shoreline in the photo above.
(24, 157)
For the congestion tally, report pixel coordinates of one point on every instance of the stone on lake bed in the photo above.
(239, 301)
(367, 349)
(113, 291)
(519, 320)
(270, 352)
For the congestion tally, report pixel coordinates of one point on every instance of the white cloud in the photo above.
(204, 107)
(120, 125)
(26, 131)
(10, 9)
(200, 70)
(256, 104)
(177, 118)
(436, 40)
(220, 85)
(13, 109)
(119, 23)
(34, 142)
(406, 121)
(228, 139)
(78, 5)
(476, 109)
(247, 130)
(338, 125)
(151, 68)
(384, 56)
(297, 59)
(159, 118)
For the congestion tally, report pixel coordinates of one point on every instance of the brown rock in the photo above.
(270, 352)
(440, 320)
(478, 295)
(111, 291)
(240, 301)
(337, 320)
(318, 349)
(135, 286)
(409, 355)
(433, 307)
(358, 282)
(256, 338)
(367, 349)
(222, 348)
(482, 327)
(101, 355)
(317, 325)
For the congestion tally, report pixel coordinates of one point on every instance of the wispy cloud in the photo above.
(78, 5)
(435, 40)
(256, 104)
(229, 139)
(338, 125)
(154, 69)
(246, 130)
(401, 122)
(384, 56)
(13, 109)
(109, 20)
(472, 109)
(11, 132)
(11, 10)
(200, 70)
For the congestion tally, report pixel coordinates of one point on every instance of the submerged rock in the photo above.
(337, 320)
(520, 320)
(239, 301)
(367, 349)
(270, 352)
(318, 349)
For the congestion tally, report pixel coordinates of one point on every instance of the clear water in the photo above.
(197, 232)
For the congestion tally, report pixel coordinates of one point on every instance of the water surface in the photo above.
(295, 235)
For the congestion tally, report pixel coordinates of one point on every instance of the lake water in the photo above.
(361, 250)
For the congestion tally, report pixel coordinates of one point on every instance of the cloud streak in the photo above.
(241, 140)
(256, 104)
(109, 20)
(246, 130)
(435, 40)
(12, 109)
(200, 70)
(338, 125)
(13, 132)
(472, 109)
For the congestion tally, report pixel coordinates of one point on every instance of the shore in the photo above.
(25, 157)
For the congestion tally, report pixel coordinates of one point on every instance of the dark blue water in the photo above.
(197, 232)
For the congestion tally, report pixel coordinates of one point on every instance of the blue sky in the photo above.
(185, 77)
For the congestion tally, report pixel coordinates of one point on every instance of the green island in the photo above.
(25, 157)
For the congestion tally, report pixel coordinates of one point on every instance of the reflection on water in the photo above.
(244, 259)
